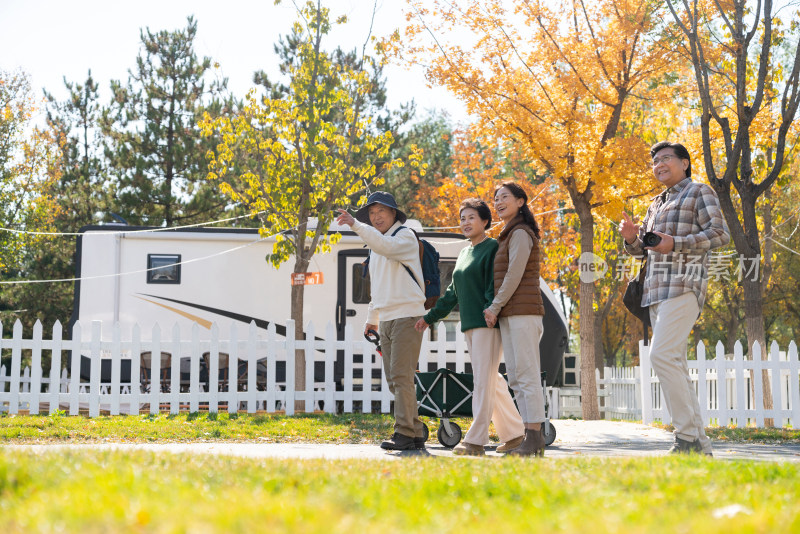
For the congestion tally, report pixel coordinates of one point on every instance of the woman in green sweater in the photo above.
(472, 289)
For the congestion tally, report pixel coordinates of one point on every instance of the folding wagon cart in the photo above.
(445, 394)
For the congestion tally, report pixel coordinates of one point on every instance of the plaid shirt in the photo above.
(690, 213)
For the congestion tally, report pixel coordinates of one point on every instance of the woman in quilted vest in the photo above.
(519, 309)
(472, 289)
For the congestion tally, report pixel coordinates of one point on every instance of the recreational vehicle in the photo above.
(146, 276)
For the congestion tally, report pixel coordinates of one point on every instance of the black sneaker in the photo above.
(419, 443)
(682, 446)
(399, 442)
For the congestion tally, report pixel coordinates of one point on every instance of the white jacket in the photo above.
(394, 294)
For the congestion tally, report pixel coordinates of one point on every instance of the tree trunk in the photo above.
(298, 291)
(754, 327)
(589, 404)
(732, 329)
(602, 356)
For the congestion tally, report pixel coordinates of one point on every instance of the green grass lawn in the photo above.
(138, 491)
(93, 491)
(303, 428)
(309, 428)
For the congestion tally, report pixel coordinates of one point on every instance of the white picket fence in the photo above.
(30, 390)
(631, 393)
(620, 393)
(635, 392)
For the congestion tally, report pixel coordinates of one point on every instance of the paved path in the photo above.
(573, 438)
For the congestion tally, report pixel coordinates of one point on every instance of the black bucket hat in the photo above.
(379, 197)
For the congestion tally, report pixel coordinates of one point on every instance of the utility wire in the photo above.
(145, 231)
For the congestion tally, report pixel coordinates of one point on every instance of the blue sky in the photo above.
(50, 39)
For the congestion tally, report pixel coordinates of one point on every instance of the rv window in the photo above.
(446, 269)
(163, 269)
(360, 285)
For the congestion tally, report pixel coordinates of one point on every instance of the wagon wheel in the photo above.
(446, 439)
(425, 432)
(549, 433)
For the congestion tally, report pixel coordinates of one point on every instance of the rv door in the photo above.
(353, 296)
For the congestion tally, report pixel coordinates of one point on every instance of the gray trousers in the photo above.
(672, 321)
(400, 345)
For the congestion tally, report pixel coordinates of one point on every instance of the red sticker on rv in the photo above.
(307, 279)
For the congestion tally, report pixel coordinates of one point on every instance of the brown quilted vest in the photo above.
(527, 299)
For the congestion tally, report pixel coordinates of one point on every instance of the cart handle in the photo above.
(373, 337)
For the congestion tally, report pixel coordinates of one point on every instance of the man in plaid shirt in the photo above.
(687, 218)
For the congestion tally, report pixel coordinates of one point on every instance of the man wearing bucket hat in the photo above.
(396, 304)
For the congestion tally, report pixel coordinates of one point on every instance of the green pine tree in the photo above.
(154, 147)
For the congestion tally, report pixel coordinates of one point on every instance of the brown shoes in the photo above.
(511, 444)
(532, 445)
(468, 449)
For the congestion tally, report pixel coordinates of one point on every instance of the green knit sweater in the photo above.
(472, 287)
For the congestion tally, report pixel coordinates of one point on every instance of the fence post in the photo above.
(233, 370)
(794, 384)
(441, 346)
(386, 395)
(3, 375)
(647, 399)
(116, 363)
(330, 359)
(272, 367)
(554, 406)
(55, 368)
(637, 388)
(348, 369)
(155, 371)
(461, 349)
(702, 383)
(75, 368)
(599, 393)
(308, 405)
(777, 397)
(94, 373)
(175, 370)
(740, 384)
(194, 371)
(16, 368)
(213, 371)
(290, 357)
(136, 369)
(757, 364)
(251, 356)
(424, 351)
(722, 386)
(36, 369)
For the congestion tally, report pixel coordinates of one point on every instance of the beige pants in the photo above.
(521, 335)
(491, 399)
(400, 344)
(672, 321)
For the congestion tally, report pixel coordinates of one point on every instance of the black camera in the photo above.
(651, 240)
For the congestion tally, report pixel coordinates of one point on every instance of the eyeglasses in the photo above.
(663, 159)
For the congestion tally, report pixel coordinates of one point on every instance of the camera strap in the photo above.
(649, 228)
(660, 200)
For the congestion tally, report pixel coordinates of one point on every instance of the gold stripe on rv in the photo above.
(199, 320)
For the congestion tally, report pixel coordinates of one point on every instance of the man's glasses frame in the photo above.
(663, 159)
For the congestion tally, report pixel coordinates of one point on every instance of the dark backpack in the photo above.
(429, 258)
